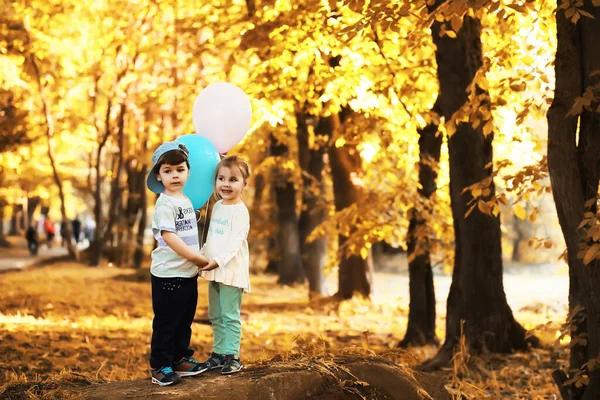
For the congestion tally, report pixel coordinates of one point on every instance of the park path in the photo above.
(18, 257)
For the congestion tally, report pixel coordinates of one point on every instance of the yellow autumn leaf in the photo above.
(533, 217)
(456, 23)
(450, 128)
(591, 253)
(364, 253)
(520, 212)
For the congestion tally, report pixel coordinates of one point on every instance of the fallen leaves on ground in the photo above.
(95, 323)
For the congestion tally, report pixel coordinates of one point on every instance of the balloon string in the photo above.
(205, 225)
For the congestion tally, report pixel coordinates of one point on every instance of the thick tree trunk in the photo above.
(477, 306)
(355, 273)
(291, 269)
(421, 315)
(574, 167)
(314, 254)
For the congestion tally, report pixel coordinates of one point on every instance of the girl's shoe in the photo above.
(165, 376)
(232, 365)
(216, 361)
(187, 366)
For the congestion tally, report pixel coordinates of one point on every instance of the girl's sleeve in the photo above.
(240, 226)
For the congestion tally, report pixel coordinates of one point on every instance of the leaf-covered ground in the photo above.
(67, 322)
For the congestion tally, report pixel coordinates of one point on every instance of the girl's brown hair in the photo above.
(230, 162)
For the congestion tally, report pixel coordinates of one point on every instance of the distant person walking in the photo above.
(88, 229)
(63, 233)
(76, 223)
(32, 238)
(50, 230)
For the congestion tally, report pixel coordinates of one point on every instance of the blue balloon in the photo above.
(203, 164)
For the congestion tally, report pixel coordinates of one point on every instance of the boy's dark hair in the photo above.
(174, 157)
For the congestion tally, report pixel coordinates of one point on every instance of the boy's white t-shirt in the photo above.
(227, 244)
(174, 215)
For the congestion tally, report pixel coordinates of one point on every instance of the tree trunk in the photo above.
(314, 254)
(355, 273)
(291, 269)
(104, 227)
(138, 253)
(32, 204)
(421, 314)
(273, 256)
(3, 241)
(476, 306)
(518, 227)
(97, 245)
(574, 167)
(72, 249)
(14, 219)
(135, 187)
(262, 191)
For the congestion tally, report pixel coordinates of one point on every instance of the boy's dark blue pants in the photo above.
(174, 303)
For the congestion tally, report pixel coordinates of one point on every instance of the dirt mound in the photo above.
(316, 378)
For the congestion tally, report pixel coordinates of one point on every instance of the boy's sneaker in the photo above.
(187, 366)
(216, 361)
(232, 365)
(165, 376)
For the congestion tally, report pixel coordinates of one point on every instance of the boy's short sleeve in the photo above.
(164, 220)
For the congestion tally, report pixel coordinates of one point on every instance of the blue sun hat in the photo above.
(151, 181)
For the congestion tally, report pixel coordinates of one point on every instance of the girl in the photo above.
(226, 249)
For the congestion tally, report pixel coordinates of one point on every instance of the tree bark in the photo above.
(136, 185)
(32, 204)
(421, 315)
(138, 253)
(273, 256)
(314, 254)
(574, 167)
(3, 241)
(476, 306)
(355, 273)
(291, 269)
(104, 228)
(14, 219)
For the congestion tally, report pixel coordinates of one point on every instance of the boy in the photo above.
(174, 267)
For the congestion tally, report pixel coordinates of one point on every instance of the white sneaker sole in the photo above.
(233, 372)
(157, 382)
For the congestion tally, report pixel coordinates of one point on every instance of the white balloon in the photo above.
(222, 114)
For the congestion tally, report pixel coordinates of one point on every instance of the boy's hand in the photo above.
(200, 260)
(212, 264)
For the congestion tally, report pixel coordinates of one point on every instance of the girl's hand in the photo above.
(212, 264)
(200, 260)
